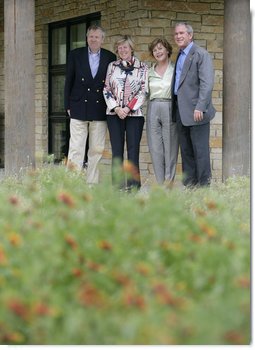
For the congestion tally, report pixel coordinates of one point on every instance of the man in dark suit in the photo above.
(192, 87)
(84, 101)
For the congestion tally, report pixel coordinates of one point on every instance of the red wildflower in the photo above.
(42, 309)
(234, 337)
(134, 300)
(14, 337)
(90, 296)
(71, 241)
(143, 269)
(122, 279)
(19, 308)
(164, 296)
(66, 198)
(93, 266)
(14, 200)
(76, 272)
(243, 282)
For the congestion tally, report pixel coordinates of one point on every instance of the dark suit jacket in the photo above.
(83, 93)
(195, 86)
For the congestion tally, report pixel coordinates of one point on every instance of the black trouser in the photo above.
(195, 152)
(129, 129)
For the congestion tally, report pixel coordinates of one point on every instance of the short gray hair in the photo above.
(187, 26)
(96, 27)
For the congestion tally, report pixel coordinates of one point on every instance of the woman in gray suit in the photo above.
(161, 130)
(192, 106)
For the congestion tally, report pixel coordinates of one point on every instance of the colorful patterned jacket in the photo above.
(126, 86)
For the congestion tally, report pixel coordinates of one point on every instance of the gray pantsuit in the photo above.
(162, 139)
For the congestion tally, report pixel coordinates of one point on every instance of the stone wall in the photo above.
(144, 20)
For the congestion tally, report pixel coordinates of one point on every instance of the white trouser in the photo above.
(79, 131)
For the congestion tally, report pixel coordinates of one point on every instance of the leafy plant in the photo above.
(82, 265)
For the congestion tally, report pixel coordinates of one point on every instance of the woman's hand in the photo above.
(122, 112)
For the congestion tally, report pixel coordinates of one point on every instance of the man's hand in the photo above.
(198, 115)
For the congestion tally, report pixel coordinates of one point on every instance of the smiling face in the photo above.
(182, 37)
(160, 53)
(95, 40)
(124, 51)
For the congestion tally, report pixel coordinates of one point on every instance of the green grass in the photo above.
(83, 265)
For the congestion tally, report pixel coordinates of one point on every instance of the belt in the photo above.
(161, 99)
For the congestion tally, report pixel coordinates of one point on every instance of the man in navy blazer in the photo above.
(192, 86)
(84, 101)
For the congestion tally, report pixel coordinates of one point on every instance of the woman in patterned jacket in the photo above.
(125, 93)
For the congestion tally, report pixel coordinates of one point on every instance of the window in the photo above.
(63, 37)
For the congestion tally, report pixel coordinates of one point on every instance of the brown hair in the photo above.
(162, 41)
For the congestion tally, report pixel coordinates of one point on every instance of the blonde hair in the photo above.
(124, 39)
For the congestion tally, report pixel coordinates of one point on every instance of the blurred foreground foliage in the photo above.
(82, 265)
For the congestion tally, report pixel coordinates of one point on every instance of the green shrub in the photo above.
(82, 265)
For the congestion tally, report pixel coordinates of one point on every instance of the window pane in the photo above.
(59, 139)
(58, 46)
(57, 93)
(77, 35)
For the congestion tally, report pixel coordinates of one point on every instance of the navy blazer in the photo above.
(83, 93)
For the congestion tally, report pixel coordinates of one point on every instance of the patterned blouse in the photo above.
(125, 85)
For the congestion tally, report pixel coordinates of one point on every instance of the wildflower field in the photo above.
(94, 266)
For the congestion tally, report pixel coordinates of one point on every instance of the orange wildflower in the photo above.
(71, 241)
(3, 259)
(195, 238)
(209, 230)
(87, 197)
(105, 245)
(200, 212)
(131, 169)
(211, 205)
(15, 239)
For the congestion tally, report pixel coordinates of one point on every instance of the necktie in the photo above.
(179, 65)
